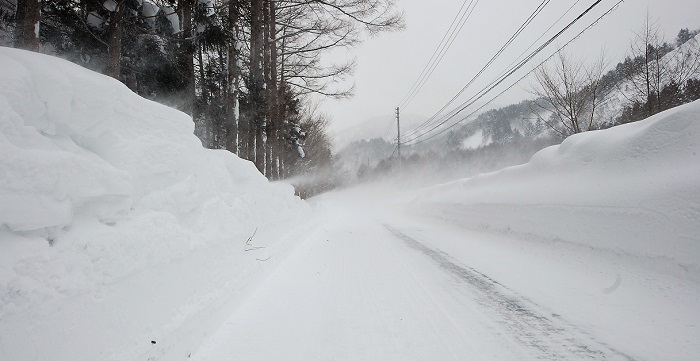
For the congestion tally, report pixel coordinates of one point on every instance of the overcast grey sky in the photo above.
(388, 65)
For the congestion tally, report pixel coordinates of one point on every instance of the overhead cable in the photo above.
(522, 27)
(492, 85)
(445, 43)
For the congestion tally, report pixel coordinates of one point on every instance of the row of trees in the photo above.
(244, 69)
(655, 76)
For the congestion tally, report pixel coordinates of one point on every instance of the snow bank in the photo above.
(116, 227)
(632, 190)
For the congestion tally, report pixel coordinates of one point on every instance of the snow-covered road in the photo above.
(121, 238)
(366, 286)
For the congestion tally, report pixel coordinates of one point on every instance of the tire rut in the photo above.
(548, 335)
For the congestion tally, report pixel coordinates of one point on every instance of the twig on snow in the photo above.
(249, 242)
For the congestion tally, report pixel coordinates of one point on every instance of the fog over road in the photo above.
(365, 286)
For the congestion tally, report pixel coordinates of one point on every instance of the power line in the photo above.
(388, 128)
(433, 56)
(440, 51)
(517, 59)
(499, 79)
(522, 27)
(496, 83)
(394, 152)
(442, 55)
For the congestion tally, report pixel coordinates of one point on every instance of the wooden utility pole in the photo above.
(398, 134)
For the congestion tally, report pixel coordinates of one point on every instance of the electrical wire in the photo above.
(388, 128)
(439, 52)
(498, 80)
(433, 56)
(522, 27)
(417, 141)
(517, 59)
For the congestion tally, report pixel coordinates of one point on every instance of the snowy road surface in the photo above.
(121, 238)
(365, 288)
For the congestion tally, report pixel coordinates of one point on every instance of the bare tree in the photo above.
(646, 71)
(308, 28)
(654, 68)
(572, 91)
(287, 41)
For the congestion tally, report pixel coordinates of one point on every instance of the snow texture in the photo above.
(116, 226)
(588, 252)
(643, 175)
(604, 229)
(121, 238)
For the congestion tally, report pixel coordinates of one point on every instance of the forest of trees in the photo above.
(654, 76)
(244, 69)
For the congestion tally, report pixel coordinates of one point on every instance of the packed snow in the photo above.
(116, 226)
(604, 229)
(121, 238)
(589, 251)
(631, 188)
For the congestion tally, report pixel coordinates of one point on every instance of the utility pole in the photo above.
(398, 134)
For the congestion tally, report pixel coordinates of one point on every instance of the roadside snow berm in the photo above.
(116, 226)
(632, 189)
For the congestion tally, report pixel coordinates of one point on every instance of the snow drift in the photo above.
(116, 227)
(632, 189)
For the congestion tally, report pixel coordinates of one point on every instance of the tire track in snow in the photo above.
(550, 336)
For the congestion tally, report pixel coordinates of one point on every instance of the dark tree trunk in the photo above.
(257, 80)
(272, 96)
(188, 52)
(207, 123)
(234, 73)
(268, 88)
(114, 50)
(27, 25)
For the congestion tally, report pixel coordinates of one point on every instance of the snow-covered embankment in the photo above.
(116, 227)
(633, 189)
(603, 229)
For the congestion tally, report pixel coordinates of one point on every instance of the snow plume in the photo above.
(117, 228)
